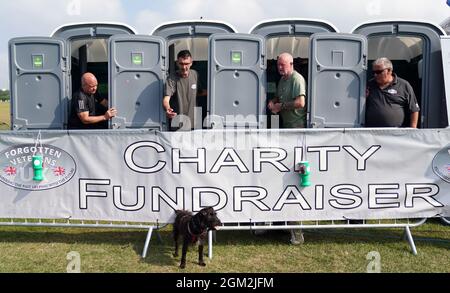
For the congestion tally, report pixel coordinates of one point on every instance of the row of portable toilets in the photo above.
(43, 75)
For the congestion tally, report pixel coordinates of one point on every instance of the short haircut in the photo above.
(385, 62)
(184, 54)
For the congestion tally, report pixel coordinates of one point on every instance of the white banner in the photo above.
(246, 175)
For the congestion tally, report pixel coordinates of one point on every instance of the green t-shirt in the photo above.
(287, 91)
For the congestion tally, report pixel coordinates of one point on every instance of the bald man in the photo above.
(291, 94)
(86, 107)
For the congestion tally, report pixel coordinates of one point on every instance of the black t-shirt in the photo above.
(81, 102)
(392, 106)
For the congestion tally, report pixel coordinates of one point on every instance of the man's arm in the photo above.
(202, 93)
(271, 105)
(86, 119)
(166, 105)
(413, 107)
(296, 104)
(414, 119)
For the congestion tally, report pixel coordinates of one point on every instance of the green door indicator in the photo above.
(38, 61)
(236, 57)
(137, 59)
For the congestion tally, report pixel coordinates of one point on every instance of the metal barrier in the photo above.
(445, 220)
(251, 226)
(82, 224)
(337, 224)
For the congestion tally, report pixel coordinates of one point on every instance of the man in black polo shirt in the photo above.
(391, 101)
(87, 110)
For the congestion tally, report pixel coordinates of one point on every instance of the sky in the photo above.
(21, 18)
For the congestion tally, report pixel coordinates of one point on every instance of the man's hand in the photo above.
(276, 108)
(170, 113)
(274, 105)
(110, 113)
(270, 105)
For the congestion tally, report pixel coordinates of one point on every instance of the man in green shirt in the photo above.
(290, 104)
(291, 94)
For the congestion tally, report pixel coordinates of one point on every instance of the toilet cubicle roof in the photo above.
(65, 27)
(400, 21)
(293, 21)
(226, 27)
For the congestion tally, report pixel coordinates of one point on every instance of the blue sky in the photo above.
(40, 17)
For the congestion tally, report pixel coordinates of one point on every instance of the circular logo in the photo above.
(392, 91)
(441, 164)
(20, 168)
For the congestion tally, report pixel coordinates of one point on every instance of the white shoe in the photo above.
(297, 237)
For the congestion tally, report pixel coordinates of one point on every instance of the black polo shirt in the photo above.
(82, 102)
(392, 106)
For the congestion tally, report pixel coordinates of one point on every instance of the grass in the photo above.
(103, 250)
(5, 120)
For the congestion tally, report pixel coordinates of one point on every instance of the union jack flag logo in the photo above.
(10, 171)
(59, 171)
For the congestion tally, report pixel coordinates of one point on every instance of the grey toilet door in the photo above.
(137, 71)
(236, 79)
(37, 83)
(337, 84)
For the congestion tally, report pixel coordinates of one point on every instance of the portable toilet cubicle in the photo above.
(415, 51)
(44, 71)
(130, 69)
(330, 101)
(191, 35)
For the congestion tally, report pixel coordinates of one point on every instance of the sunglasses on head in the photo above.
(379, 71)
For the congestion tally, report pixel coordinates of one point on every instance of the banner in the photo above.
(247, 175)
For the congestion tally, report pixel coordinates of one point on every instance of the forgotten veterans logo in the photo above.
(17, 170)
(441, 164)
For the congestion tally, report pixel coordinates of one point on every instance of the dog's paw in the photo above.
(182, 265)
(202, 263)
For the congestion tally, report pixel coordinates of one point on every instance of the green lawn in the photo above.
(5, 120)
(102, 250)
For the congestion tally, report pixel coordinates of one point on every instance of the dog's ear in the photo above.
(204, 212)
(207, 211)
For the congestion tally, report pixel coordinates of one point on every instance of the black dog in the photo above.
(193, 229)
